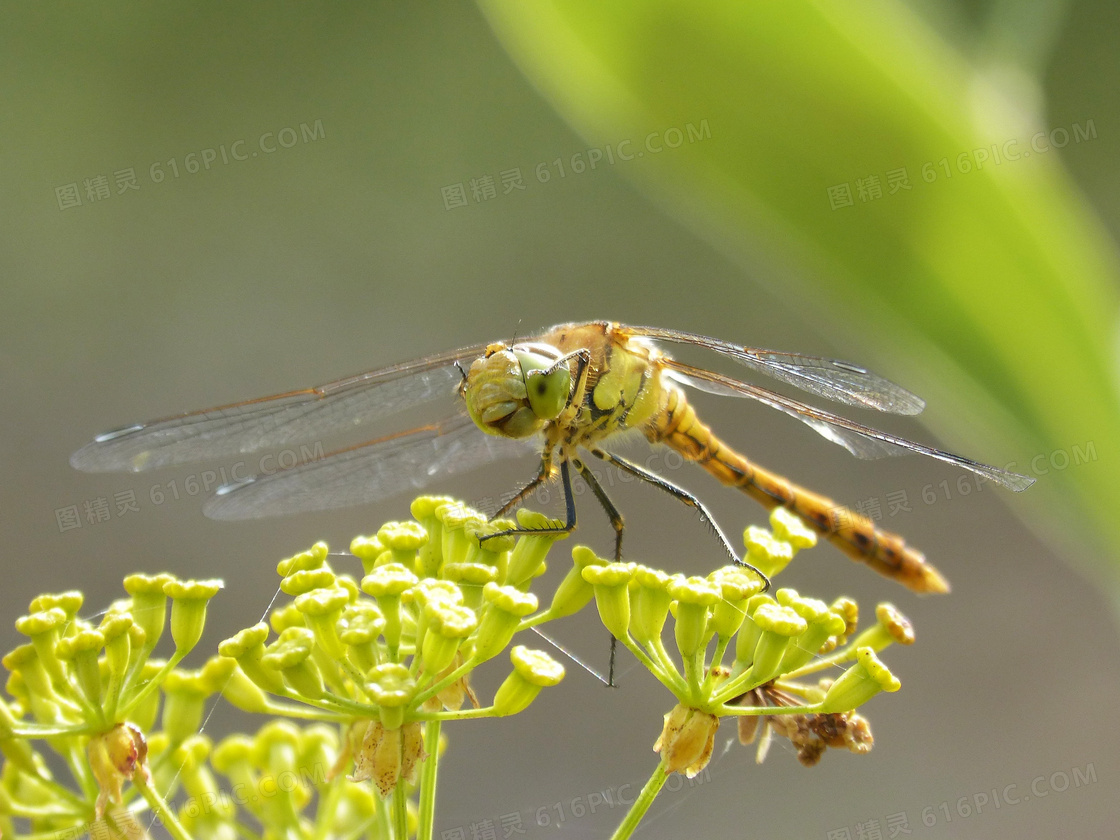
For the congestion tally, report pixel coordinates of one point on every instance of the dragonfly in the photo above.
(573, 389)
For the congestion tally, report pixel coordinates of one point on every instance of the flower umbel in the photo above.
(93, 693)
(389, 657)
(372, 663)
(740, 650)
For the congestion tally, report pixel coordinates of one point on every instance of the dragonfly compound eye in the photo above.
(497, 399)
(547, 386)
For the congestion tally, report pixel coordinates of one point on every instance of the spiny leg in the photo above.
(612, 512)
(616, 522)
(681, 495)
(570, 522)
(569, 505)
(543, 475)
(582, 356)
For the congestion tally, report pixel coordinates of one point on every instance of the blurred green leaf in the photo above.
(987, 275)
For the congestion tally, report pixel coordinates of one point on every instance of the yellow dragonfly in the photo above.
(575, 387)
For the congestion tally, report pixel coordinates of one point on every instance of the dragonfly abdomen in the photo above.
(678, 427)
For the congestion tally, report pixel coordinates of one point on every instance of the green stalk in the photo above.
(152, 684)
(162, 810)
(428, 781)
(400, 813)
(642, 803)
(328, 802)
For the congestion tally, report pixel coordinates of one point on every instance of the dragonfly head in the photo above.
(514, 391)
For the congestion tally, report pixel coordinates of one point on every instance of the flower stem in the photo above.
(436, 687)
(642, 803)
(428, 781)
(811, 709)
(162, 810)
(400, 813)
(152, 684)
(328, 804)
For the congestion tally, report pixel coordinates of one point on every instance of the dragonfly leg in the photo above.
(681, 495)
(569, 504)
(612, 512)
(545, 474)
(579, 385)
(616, 522)
(570, 523)
(583, 355)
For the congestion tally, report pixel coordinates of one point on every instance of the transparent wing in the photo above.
(268, 422)
(366, 473)
(862, 441)
(842, 382)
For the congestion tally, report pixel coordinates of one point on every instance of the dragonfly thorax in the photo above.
(514, 391)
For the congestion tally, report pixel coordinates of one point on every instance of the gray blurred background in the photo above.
(336, 252)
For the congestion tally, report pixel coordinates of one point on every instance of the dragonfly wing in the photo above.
(862, 441)
(269, 422)
(366, 473)
(855, 442)
(832, 379)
